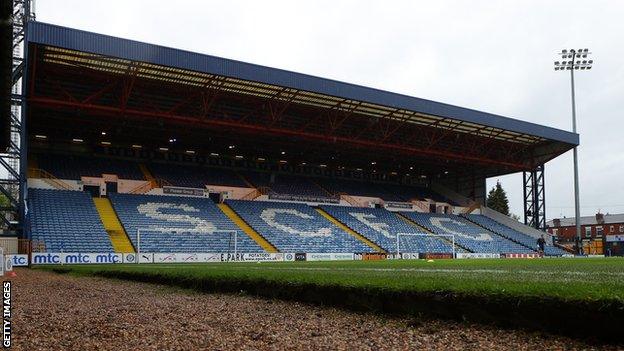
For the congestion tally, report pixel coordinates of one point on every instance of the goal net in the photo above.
(417, 243)
(148, 239)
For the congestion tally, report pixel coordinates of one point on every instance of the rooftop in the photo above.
(221, 95)
(589, 220)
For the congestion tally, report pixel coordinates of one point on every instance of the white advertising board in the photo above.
(17, 260)
(263, 257)
(148, 257)
(75, 258)
(477, 255)
(329, 257)
(410, 255)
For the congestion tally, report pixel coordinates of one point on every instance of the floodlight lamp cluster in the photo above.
(573, 60)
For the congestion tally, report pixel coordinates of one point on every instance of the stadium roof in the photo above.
(299, 105)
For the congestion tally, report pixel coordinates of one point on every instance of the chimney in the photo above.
(600, 218)
(556, 222)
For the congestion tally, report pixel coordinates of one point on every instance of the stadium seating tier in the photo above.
(196, 176)
(66, 221)
(74, 167)
(382, 226)
(296, 227)
(512, 234)
(467, 234)
(178, 224)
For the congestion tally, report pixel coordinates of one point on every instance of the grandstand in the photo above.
(67, 221)
(178, 224)
(194, 176)
(514, 235)
(292, 227)
(468, 235)
(270, 209)
(285, 184)
(382, 227)
(77, 166)
(187, 148)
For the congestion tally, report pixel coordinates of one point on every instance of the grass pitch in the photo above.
(567, 279)
(557, 295)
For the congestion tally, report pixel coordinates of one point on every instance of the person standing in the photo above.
(540, 244)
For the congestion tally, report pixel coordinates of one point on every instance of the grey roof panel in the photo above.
(69, 38)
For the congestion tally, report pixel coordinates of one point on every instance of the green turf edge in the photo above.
(599, 285)
(599, 320)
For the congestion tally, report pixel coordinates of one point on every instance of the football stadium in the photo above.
(137, 166)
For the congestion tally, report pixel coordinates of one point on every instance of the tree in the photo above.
(4, 201)
(497, 199)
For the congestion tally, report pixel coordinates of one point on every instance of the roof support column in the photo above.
(535, 198)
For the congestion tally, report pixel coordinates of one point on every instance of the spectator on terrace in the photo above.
(540, 243)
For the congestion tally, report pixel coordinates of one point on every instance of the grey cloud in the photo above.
(495, 56)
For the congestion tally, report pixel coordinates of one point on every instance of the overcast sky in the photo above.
(494, 56)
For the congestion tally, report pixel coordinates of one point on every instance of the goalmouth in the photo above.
(232, 244)
(451, 239)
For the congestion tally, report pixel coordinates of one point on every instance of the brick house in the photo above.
(600, 231)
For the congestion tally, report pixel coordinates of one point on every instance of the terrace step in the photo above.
(246, 228)
(116, 233)
(352, 232)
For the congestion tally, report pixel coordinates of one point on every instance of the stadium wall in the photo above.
(123, 186)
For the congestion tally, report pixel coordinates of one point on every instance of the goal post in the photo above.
(449, 238)
(232, 244)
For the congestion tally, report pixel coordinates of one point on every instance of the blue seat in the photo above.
(382, 226)
(196, 176)
(74, 167)
(66, 221)
(385, 191)
(296, 227)
(512, 234)
(358, 188)
(467, 234)
(179, 224)
(286, 184)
